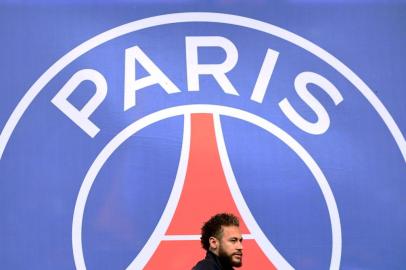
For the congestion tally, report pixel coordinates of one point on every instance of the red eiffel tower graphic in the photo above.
(205, 192)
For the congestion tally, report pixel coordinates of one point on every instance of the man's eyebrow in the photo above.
(236, 238)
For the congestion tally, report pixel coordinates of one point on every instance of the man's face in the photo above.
(230, 246)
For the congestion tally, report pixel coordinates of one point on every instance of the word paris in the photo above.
(194, 70)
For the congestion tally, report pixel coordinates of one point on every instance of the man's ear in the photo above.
(214, 243)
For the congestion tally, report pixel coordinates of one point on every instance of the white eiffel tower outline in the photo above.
(158, 234)
(114, 143)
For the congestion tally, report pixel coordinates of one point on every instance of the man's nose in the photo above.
(239, 245)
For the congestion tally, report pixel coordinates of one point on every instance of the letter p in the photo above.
(81, 117)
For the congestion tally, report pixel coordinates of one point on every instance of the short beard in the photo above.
(227, 260)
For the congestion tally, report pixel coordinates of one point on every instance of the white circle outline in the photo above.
(189, 17)
(203, 108)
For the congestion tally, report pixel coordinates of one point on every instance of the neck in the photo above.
(215, 252)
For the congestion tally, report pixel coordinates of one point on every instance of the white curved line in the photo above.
(270, 251)
(90, 177)
(204, 108)
(201, 17)
(158, 235)
(195, 237)
(182, 237)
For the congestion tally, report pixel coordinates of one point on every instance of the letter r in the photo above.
(218, 71)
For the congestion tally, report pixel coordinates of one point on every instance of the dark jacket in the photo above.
(211, 262)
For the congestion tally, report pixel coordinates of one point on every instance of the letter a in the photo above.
(132, 84)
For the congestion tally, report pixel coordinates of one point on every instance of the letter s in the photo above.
(323, 122)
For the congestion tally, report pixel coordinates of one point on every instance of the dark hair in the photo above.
(213, 227)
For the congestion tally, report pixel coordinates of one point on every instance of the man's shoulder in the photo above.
(206, 265)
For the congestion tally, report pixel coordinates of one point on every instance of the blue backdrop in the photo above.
(357, 46)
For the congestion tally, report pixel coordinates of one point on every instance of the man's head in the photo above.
(222, 236)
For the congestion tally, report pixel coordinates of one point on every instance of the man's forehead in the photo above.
(231, 231)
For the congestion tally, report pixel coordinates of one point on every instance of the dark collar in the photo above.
(213, 257)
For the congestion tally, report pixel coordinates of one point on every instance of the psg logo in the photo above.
(168, 120)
